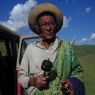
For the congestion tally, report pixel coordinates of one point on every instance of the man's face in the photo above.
(47, 27)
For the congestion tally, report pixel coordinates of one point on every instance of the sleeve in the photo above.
(77, 85)
(23, 76)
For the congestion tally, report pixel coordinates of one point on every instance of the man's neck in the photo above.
(47, 43)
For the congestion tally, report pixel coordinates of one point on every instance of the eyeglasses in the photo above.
(45, 25)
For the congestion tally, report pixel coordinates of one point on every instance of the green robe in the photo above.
(65, 65)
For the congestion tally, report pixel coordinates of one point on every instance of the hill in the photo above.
(86, 55)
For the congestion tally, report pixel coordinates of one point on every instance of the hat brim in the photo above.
(46, 7)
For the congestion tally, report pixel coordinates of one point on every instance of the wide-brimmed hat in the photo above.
(42, 8)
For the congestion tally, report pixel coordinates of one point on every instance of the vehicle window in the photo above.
(3, 49)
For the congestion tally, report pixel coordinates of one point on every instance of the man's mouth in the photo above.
(49, 33)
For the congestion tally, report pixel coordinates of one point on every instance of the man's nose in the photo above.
(48, 27)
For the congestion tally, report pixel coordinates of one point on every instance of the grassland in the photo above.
(86, 54)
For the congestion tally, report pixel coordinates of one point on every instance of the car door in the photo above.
(9, 42)
(24, 42)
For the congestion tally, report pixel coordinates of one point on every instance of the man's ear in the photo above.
(37, 28)
(56, 29)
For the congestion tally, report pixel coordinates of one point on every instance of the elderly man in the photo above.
(49, 66)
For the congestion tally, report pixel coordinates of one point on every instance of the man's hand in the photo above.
(66, 87)
(39, 81)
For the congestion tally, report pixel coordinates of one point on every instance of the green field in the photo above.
(86, 55)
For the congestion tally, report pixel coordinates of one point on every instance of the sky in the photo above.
(78, 23)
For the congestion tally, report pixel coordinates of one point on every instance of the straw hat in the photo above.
(45, 7)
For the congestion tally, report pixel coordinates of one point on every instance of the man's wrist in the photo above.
(32, 81)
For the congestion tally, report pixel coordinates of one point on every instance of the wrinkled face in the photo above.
(47, 27)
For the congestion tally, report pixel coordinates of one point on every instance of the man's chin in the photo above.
(49, 39)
